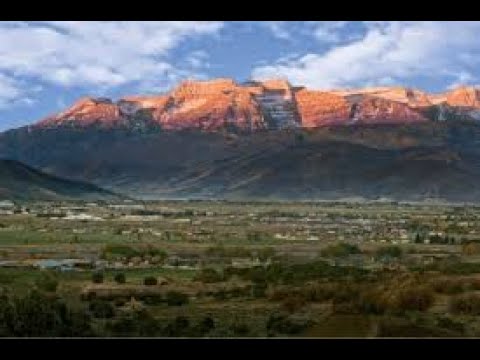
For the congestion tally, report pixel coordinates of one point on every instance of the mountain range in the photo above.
(264, 140)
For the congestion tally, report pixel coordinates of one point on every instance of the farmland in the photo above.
(240, 269)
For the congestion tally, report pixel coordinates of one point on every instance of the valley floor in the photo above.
(240, 269)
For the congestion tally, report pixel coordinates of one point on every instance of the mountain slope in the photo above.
(21, 182)
(403, 162)
(221, 139)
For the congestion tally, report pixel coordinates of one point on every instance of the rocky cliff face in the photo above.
(222, 104)
(463, 96)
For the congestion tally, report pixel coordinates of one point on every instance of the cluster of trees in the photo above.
(41, 314)
(115, 252)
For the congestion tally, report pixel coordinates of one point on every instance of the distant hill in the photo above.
(21, 182)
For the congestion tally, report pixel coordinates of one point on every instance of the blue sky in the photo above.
(46, 66)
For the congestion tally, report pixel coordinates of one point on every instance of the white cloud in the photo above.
(198, 59)
(279, 29)
(329, 31)
(100, 54)
(9, 91)
(390, 51)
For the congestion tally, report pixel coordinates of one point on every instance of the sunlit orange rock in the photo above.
(463, 96)
(223, 104)
(86, 112)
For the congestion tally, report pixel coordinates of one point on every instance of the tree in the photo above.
(418, 239)
(41, 315)
(120, 278)
(102, 309)
(176, 298)
(389, 251)
(150, 281)
(47, 281)
(97, 277)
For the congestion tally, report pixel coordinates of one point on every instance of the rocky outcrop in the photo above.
(463, 96)
(411, 97)
(224, 105)
(319, 108)
(87, 112)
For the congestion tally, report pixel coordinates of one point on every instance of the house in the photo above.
(7, 207)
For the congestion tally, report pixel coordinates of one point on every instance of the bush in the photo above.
(259, 290)
(465, 304)
(40, 315)
(340, 250)
(180, 327)
(395, 298)
(449, 286)
(203, 327)
(240, 328)
(471, 248)
(135, 323)
(293, 303)
(102, 309)
(176, 298)
(389, 251)
(391, 327)
(47, 282)
(150, 281)
(120, 278)
(416, 299)
(209, 275)
(153, 299)
(266, 253)
(283, 324)
(450, 324)
(97, 277)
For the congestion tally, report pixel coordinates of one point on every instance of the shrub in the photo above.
(259, 290)
(240, 328)
(465, 304)
(153, 299)
(283, 324)
(209, 275)
(450, 324)
(120, 278)
(135, 323)
(448, 286)
(391, 327)
(102, 309)
(205, 325)
(47, 282)
(176, 298)
(293, 303)
(97, 277)
(150, 281)
(40, 315)
(340, 250)
(266, 253)
(179, 327)
(471, 248)
(389, 251)
(417, 299)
